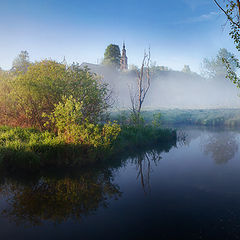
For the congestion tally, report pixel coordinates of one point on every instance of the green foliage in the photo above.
(156, 122)
(73, 127)
(26, 96)
(66, 113)
(87, 88)
(136, 119)
(7, 104)
(32, 150)
(139, 137)
(232, 12)
(24, 148)
(231, 73)
(112, 56)
(37, 90)
(205, 117)
(68, 106)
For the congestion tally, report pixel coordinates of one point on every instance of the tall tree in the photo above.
(21, 62)
(112, 56)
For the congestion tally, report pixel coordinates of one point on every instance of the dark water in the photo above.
(187, 191)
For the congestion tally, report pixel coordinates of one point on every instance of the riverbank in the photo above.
(31, 150)
(202, 117)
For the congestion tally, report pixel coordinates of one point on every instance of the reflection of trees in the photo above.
(184, 137)
(144, 160)
(143, 163)
(58, 199)
(221, 146)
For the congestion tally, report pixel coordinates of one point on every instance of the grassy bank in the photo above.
(204, 117)
(30, 149)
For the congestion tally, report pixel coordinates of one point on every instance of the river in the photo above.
(187, 190)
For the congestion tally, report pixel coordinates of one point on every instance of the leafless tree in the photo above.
(143, 164)
(143, 84)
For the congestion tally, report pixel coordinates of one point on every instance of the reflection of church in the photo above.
(123, 60)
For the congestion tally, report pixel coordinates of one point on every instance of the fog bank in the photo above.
(171, 89)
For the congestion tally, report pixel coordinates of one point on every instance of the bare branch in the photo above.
(143, 85)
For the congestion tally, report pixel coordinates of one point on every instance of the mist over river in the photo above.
(187, 190)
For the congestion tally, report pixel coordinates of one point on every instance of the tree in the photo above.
(6, 103)
(112, 56)
(186, 69)
(143, 85)
(21, 63)
(44, 85)
(232, 11)
(216, 67)
(88, 88)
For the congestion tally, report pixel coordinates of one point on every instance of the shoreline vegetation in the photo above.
(223, 117)
(72, 191)
(29, 149)
(57, 115)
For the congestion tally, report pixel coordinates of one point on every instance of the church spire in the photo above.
(123, 60)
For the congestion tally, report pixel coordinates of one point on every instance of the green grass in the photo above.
(30, 149)
(138, 137)
(205, 117)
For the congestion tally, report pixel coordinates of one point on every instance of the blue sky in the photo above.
(179, 31)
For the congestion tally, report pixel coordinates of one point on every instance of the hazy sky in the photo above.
(179, 31)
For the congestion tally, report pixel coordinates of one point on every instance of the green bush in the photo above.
(30, 149)
(72, 127)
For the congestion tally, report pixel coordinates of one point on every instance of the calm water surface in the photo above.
(187, 191)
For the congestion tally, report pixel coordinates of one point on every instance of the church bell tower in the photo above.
(123, 60)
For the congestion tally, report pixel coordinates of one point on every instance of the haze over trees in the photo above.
(186, 69)
(215, 67)
(66, 107)
(21, 62)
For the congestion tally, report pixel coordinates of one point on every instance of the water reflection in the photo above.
(79, 194)
(185, 137)
(221, 146)
(144, 162)
(58, 200)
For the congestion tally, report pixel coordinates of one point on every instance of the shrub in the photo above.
(71, 125)
(26, 96)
